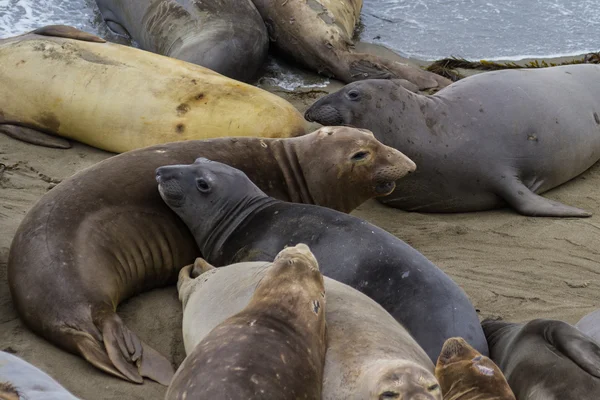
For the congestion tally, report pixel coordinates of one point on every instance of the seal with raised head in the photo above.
(464, 374)
(318, 34)
(545, 359)
(104, 234)
(68, 83)
(21, 380)
(487, 140)
(274, 348)
(369, 355)
(226, 36)
(232, 220)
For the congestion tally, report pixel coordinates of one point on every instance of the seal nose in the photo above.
(307, 115)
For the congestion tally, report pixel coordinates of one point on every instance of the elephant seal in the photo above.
(119, 98)
(21, 380)
(227, 36)
(233, 220)
(369, 355)
(545, 359)
(487, 140)
(464, 374)
(318, 34)
(274, 348)
(104, 234)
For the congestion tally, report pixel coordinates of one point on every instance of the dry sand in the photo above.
(514, 267)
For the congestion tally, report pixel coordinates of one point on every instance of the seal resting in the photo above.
(485, 141)
(104, 234)
(464, 374)
(227, 36)
(233, 220)
(21, 380)
(369, 355)
(545, 359)
(72, 84)
(318, 34)
(274, 348)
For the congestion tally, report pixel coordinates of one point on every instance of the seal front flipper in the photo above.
(68, 32)
(33, 136)
(576, 345)
(528, 203)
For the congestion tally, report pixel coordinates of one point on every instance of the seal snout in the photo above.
(324, 115)
(300, 252)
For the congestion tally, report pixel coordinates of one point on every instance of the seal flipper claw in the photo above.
(528, 203)
(68, 32)
(33, 136)
(577, 346)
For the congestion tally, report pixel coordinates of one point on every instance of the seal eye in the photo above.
(202, 185)
(361, 155)
(354, 95)
(433, 387)
(389, 395)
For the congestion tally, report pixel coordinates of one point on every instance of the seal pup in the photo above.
(318, 34)
(369, 355)
(485, 141)
(21, 380)
(67, 83)
(274, 348)
(227, 36)
(464, 374)
(545, 359)
(233, 220)
(104, 234)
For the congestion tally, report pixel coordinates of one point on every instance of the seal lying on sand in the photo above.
(545, 359)
(228, 37)
(318, 34)
(233, 220)
(369, 355)
(69, 83)
(464, 374)
(487, 140)
(21, 380)
(274, 348)
(105, 234)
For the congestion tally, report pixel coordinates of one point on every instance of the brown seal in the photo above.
(273, 349)
(465, 374)
(105, 234)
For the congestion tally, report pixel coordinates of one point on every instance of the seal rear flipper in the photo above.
(68, 32)
(95, 354)
(155, 366)
(577, 346)
(33, 136)
(528, 203)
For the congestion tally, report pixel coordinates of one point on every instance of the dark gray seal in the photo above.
(232, 220)
(487, 140)
(226, 36)
(545, 359)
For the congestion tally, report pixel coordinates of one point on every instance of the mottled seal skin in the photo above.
(105, 234)
(464, 374)
(226, 36)
(369, 355)
(545, 359)
(232, 220)
(272, 349)
(485, 141)
(21, 380)
(318, 34)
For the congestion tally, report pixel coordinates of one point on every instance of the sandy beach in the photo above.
(514, 267)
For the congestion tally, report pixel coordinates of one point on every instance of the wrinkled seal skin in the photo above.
(274, 348)
(226, 36)
(369, 355)
(464, 374)
(232, 220)
(105, 234)
(487, 140)
(68, 83)
(318, 34)
(21, 380)
(545, 359)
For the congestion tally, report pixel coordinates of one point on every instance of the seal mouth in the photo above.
(170, 191)
(385, 188)
(324, 115)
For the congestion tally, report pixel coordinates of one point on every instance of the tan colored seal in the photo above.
(272, 349)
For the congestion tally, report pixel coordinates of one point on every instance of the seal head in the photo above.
(399, 380)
